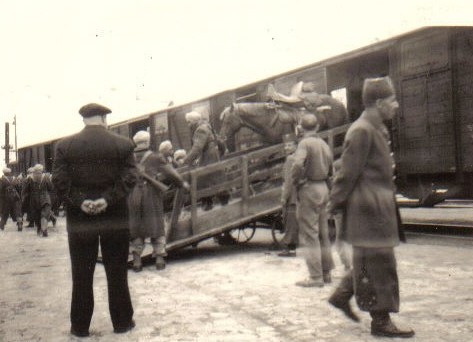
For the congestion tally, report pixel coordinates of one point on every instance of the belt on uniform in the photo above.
(317, 180)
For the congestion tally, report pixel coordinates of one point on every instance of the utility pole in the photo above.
(16, 146)
(7, 145)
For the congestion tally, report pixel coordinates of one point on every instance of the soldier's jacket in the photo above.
(204, 145)
(8, 190)
(37, 194)
(312, 159)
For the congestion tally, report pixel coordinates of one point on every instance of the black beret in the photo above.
(93, 109)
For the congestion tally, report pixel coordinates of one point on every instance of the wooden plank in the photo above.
(245, 185)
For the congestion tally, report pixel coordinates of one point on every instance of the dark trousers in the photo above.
(373, 281)
(10, 208)
(83, 248)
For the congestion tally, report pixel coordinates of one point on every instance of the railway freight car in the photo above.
(432, 136)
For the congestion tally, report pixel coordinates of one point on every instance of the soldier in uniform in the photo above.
(10, 202)
(289, 201)
(94, 170)
(37, 193)
(364, 190)
(166, 150)
(204, 151)
(178, 158)
(146, 202)
(312, 165)
(25, 207)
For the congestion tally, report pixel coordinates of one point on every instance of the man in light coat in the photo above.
(363, 189)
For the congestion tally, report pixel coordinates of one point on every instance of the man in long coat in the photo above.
(10, 201)
(36, 193)
(146, 202)
(94, 170)
(363, 189)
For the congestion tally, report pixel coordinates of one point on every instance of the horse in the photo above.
(271, 121)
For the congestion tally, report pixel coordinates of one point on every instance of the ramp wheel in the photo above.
(244, 234)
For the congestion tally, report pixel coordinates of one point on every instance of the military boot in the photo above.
(381, 325)
(137, 265)
(20, 226)
(160, 263)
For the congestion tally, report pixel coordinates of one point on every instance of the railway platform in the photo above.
(450, 214)
(227, 293)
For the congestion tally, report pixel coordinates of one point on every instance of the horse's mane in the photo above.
(246, 109)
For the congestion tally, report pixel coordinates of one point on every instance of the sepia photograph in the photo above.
(236, 171)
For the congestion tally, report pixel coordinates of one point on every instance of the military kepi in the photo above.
(93, 109)
(377, 88)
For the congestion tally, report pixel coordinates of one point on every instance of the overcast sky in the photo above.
(135, 56)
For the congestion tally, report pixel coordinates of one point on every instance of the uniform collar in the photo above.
(309, 134)
(373, 118)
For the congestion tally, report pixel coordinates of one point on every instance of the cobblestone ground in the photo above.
(215, 293)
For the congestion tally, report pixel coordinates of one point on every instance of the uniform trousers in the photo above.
(291, 227)
(313, 228)
(83, 249)
(137, 246)
(13, 209)
(38, 213)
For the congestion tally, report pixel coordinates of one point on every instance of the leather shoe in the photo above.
(345, 307)
(79, 333)
(121, 330)
(390, 330)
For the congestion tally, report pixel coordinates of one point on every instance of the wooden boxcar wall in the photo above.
(463, 83)
(422, 67)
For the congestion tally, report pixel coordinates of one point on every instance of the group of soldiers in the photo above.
(145, 203)
(32, 195)
(109, 187)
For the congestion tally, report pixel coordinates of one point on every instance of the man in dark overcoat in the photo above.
(10, 201)
(363, 189)
(204, 151)
(93, 171)
(146, 202)
(36, 192)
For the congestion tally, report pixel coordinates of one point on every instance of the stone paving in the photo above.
(231, 293)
